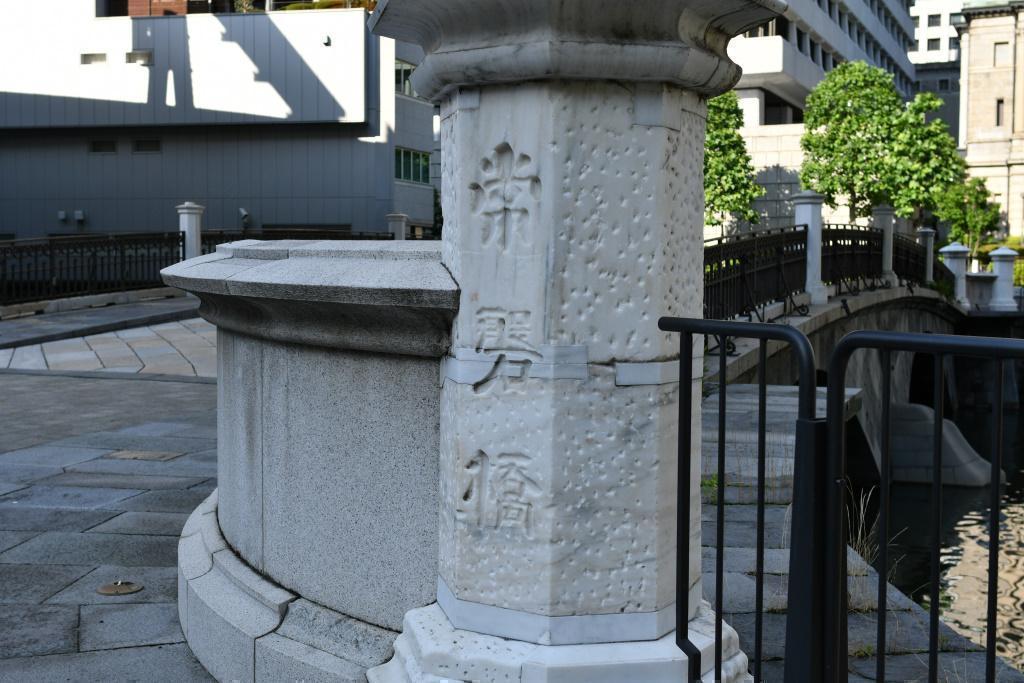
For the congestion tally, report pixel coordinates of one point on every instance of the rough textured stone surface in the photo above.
(34, 630)
(283, 659)
(104, 627)
(166, 501)
(17, 518)
(139, 483)
(341, 636)
(145, 523)
(67, 497)
(9, 539)
(322, 487)
(29, 583)
(51, 456)
(174, 662)
(64, 548)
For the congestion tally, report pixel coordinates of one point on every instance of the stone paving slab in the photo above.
(47, 327)
(66, 497)
(155, 663)
(144, 523)
(14, 473)
(167, 501)
(159, 584)
(19, 518)
(179, 466)
(139, 482)
(105, 627)
(9, 539)
(57, 547)
(115, 441)
(7, 487)
(37, 630)
(34, 583)
(51, 456)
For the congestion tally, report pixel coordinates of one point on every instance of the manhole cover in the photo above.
(119, 588)
(142, 455)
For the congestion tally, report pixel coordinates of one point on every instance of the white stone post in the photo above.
(190, 222)
(926, 238)
(884, 218)
(807, 212)
(572, 139)
(1003, 261)
(955, 257)
(398, 225)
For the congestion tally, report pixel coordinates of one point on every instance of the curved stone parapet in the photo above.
(242, 627)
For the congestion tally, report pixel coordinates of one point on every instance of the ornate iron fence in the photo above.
(34, 270)
(851, 257)
(743, 274)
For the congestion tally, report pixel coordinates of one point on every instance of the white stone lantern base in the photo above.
(430, 650)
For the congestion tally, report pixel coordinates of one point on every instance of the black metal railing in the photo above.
(831, 640)
(909, 259)
(806, 486)
(851, 258)
(743, 274)
(48, 268)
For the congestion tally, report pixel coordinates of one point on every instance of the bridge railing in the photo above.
(745, 273)
(851, 257)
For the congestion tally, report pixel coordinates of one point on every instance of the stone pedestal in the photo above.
(323, 533)
(955, 257)
(572, 146)
(1004, 261)
(884, 218)
(807, 212)
(190, 222)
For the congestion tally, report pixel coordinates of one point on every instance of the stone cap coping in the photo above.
(955, 249)
(1003, 253)
(380, 296)
(982, 276)
(469, 43)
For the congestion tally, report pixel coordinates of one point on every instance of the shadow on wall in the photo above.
(198, 69)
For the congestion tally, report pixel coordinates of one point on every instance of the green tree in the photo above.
(970, 214)
(729, 184)
(923, 161)
(849, 122)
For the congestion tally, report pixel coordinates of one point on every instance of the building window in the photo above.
(146, 146)
(412, 166)
(1001, 54)
(94, 58)
(403, 74)
(954, 43)
(935, 20)
(934, 43)
(943, 85)
(103, 147)
(999, 112)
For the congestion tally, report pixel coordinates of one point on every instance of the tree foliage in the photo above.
(729, 184)
(924, 161)
(848, 127)
(862, 143)
(970, 214)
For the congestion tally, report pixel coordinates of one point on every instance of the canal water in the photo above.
(965, 540)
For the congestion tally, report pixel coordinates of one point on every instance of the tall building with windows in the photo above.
(936, 55)
(992, 102)
(269, 119)
(784, 59)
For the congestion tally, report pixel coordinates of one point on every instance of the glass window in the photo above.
(954, 43)
(999, 112)
(934, 43)
(943, 84)
(1001, 54)
(412, 166)
(935, 20)
(102, 147)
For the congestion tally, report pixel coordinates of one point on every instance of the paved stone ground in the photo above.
(174, 348)
(44, 327)
(97, 477)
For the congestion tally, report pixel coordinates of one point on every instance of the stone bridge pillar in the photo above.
(955, 257)
(572, 145)
(190, 222)
(807, 212)
(1003, 261)
(884, 218)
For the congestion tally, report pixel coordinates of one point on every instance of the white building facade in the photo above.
(936, 56)
(278, 119)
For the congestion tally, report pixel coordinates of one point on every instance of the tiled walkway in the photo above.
(178, 348)
(97, 477)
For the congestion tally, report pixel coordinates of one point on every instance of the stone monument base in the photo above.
(430, 650)
(242, 627)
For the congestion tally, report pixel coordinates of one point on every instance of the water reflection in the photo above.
(965, 542)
